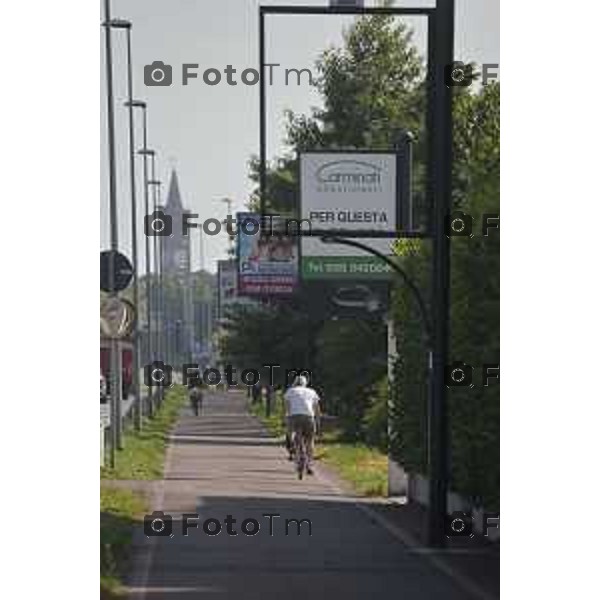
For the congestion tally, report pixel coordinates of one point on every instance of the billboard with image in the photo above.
(267, 257)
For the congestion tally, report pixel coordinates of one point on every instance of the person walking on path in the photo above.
(196, 394)
(302, 408)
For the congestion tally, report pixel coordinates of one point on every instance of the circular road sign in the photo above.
(123, 271)
(117, 317)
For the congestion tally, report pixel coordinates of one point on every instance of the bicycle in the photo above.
(300, 454)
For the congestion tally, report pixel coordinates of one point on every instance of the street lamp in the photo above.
(229, 202)
(126, 26)
(157, 279)
(131, 104)
(162, 317)
(115, 391)
(150, 284)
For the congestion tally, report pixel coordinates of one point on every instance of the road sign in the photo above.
(123, 271)
(117, 317)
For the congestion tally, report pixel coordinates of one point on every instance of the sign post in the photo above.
(440, 54)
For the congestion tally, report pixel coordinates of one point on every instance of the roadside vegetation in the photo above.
(143, 451)
(122, 510)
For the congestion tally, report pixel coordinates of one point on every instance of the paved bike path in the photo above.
(224, 463)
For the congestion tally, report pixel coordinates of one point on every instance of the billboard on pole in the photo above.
(267, 257)
(344, 192)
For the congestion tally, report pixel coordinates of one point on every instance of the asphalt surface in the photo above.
(224, 463)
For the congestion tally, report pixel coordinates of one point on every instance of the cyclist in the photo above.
(196, 395)
(301, 407)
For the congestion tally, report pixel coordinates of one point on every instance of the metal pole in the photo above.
(163, 316)
(263, 114)
(148, 281)
(441, 180)
(396, 483)
(134, 247)
(115, 385)
(155, 300)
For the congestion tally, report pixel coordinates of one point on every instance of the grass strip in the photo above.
(143, 453)
(120, 512)
(363, 467)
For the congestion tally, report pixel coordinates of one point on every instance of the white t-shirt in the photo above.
(301, 401)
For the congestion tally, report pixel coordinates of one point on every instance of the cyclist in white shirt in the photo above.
(301, 407)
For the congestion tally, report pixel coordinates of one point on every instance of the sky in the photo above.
(209, 133)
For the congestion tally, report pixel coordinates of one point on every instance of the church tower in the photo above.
(176, 248)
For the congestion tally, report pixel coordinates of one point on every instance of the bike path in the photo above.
(225, 463)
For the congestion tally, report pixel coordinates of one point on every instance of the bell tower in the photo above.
(176, 248)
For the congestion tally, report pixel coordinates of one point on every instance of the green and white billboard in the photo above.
(345, 192)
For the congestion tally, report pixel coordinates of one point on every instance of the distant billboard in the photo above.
(227, 285)
(268, 259)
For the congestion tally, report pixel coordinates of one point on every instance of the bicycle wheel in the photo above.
(300, 455)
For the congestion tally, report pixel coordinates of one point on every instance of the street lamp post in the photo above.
(145, 152)
(131, 104)
(157, 279)
(115, 387)
(163, 334)
(126, 26)
(229, 202)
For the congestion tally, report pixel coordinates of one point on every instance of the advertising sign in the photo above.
(345, 192)
(268, 259)
(227, 285)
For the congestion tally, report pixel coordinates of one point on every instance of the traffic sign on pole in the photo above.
(123, 271)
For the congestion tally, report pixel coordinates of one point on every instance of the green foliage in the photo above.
(120, 511)
(375, 420)
(409, 390)
(280, 334)
(143, 451)
(363, 467)
(475, 300)
(351, 356)
(371, 86)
